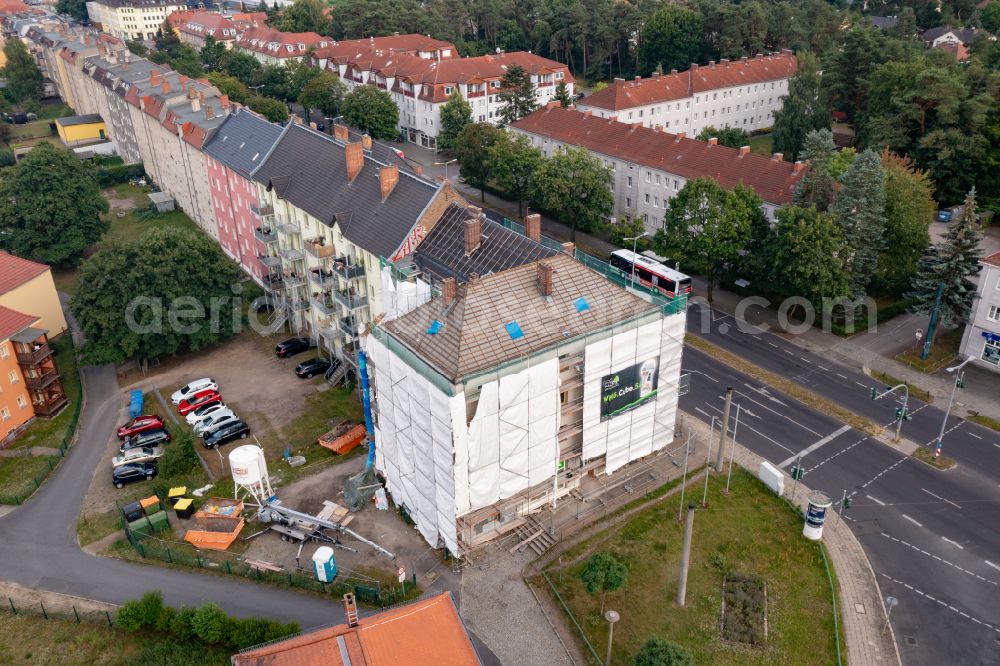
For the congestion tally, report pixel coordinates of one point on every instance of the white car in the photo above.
(191, 388)
(203, 412)
(215, 421)
(137, 455)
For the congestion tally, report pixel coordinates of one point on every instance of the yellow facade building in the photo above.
(78, 130)
(27, 286)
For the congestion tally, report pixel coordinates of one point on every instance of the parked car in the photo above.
(313, 366)
(214, 422)
(140, 424)
(203, 411)
(191, 388)
(148, 438)
(945, 215)
(227, 433)
(197, 400)
(139, 454)
(132, 472)
(291, 347)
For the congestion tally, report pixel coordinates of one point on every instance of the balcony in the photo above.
(46, 378)
(291, 254)
(352, 301)
(265, 235)
(51, 406)
(318, 249)
(269, 260)
(349, 327)
(324, 304)
(328, 329)
(323, 279)
(293, 280)
(348, 271)
(298, 305)
(285, 226)
(261, 211)
(475, 93)
(35, 356)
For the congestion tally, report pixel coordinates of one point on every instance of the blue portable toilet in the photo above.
(324, 564)
(135, 407)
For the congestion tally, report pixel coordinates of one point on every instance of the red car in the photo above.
(140, 424)
(197, 400)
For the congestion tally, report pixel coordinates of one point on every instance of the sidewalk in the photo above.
(859, 601)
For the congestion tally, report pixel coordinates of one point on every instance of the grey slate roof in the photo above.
(309, 170)
(964, 35)
(243, 141)
(884, 22)
(88, 119)
(442, 252)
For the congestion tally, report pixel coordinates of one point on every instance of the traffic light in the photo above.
(899, 413)
(847, 502)
(797, 473)
(874, 393)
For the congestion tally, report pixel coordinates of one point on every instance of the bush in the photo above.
(250, 631)
(658, 652)
(182, 626)
(130, 616)
(210, 623)
(179, 456)
(165, 621)
(168, 653)
(116, 175)
(151, 605)
(7, 158)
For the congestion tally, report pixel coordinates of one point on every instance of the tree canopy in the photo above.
(860, 211)
(269, 107)
(473, 152)
(514, 162)
(371, 110)
(604, 573)
(517, 95)
(303, 16)
(50, 207)
(805, 256)
(164, 292)
(909, 208)
(24, 79)
(455, 115)
(734, 137)
(575, 188)
(74, 8)
(659, 652)
(816, 187)
(671, 38)
(803, 110)
(325, 93)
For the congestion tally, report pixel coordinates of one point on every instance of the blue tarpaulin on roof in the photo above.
(514, 330)
(581, 304)
(434, 327)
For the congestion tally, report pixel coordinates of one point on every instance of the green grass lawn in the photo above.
(20, 477)
(751, 532)
(94, 526)
(945, 348)
(762, 144)
(32, 130)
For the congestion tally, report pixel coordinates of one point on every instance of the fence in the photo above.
(58, 609)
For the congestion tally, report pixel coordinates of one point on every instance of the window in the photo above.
(657, 179)
(656, 202)
(4, 351)
(991, 352)
(647, 197)
(676, 186)
(4, 413)
(12, 376)
(630, 115)
(994, 314)
(649, 177)
(21, 402)
(630, 181)
(447, 90)
(628, 202)
(494, 84)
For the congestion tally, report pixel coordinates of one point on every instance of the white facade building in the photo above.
(132, 19)
(981, 340)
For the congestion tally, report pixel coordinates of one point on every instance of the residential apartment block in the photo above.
(741, 93)
(273, 47)
(131, 19)
(421, 73)
(27, 286)
(981, 340)
(650, 165)
(330, 211)
(192, 27)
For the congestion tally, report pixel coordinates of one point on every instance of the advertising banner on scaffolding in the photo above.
(628, 388)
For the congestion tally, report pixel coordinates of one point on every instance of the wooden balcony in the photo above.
(46, 378)
(318, 249)
(51, 406)
(35, 356)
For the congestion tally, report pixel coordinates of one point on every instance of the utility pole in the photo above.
(687, 451)
(685, 557)
(932, 327)
(732, 448)
(902, 413)
(725, 429)
(708, 462)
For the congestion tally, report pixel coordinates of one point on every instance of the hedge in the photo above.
(115, 175)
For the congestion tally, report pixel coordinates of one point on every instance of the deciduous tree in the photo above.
(516, 96)
(230, 86)
(304, 16)
(212, 53)
(659, 652)
(455, 115)
(860, 211)
(803, 109)
(671, 38)
(574, 187)
(24, 79)
(371, 110)
(909, 207)
(805, 256)
(74, 8)
(513, 164)
(473, 153)
(325, 93)
(269, 107)
(734, 137)
(604, 573)
(164, 292)
(241, 65)
(50, 207)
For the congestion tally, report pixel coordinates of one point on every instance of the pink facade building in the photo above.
(236, 149)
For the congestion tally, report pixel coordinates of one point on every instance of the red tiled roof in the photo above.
(249, 19)
(15, 271)
(275, 43)
(624, 94)
(12, 322)
(411, 43)
(13, 7)
(424, 633)
(201, 23)
(959, 50)
(178, 18)
(992, 260)
(773, 180)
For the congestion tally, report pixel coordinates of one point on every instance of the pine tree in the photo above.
(517, 95)
(816, 186)
(955, 262)
(860, 211)
(562, 95)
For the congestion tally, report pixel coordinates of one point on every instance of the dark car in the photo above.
(132, 472)
(291, 347)
(313, 366)
(227, 433)
(153, 437)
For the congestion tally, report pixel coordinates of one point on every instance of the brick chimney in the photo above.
(658, 128)
(417, 169)
(449, 288)
(798, 167)
(544, 278)
(183, 82)
(638, 78)
(681, 135)
(366, 142)
(713, 141)
(569, 248)
(340, 131)
(673, 71)
(154, 78)
(388, 176)
(350, 610)
(209, 113)
(473, 235)
(777, 157)
(744, 150)
(587, 113)
(166, 87)
(533, 227)
(694, 67)
(355, 157)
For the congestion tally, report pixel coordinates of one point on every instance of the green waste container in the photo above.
(141, 528)
(159, 521)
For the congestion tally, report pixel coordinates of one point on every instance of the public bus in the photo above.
(651, 273)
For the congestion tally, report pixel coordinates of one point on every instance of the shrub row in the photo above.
(207, 623)
(107, 176)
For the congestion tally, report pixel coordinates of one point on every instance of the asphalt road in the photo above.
(933, 537)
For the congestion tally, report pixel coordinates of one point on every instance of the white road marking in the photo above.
(941, 498)
(703, 412)
(954, 543)
(773, 345)
(860, 384)
(841, 452)
(757, 432)
(972, 434)
(840, 375)
(942, 603)
(879, 475)
(837, 433)
(788, 352)
(995, 566)
(877, 501)
(912, 520)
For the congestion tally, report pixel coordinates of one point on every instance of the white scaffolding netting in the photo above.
(399, 297)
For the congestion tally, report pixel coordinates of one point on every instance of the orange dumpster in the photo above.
(345, 443)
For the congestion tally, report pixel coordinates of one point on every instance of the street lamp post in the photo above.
(635, 241)
(958, 382)
(445, 165)
(612, 617)
(902, 415)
